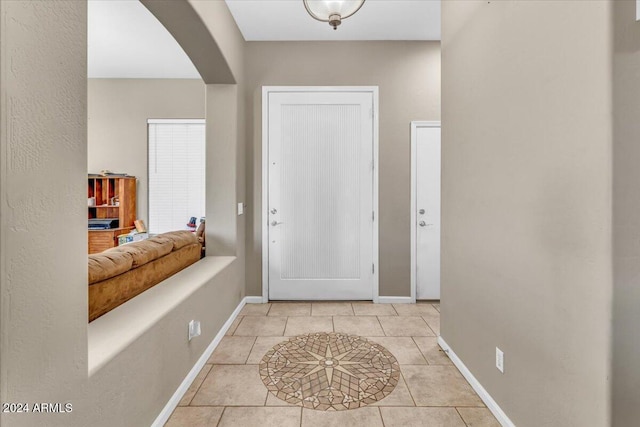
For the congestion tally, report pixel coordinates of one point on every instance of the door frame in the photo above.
(264, 218)
(414, 177)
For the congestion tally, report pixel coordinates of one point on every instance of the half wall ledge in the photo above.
(113, 332)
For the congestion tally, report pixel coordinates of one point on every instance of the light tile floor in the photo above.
(431, 392)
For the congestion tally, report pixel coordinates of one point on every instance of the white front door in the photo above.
(319, 207)
(426, 139)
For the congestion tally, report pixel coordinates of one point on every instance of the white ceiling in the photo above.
(376, 20)
(127, 41)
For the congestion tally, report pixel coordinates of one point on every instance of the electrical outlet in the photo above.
(194, 329)
(500, 360)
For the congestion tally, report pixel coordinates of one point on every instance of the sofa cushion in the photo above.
(108, 294)
(145, 251)
(180, 238)
(106, 265)
(162, 240)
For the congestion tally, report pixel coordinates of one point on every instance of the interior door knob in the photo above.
(421, 211)
(422, 223)
(273, 211)
(274, 223)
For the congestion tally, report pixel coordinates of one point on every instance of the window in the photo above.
(176, 173)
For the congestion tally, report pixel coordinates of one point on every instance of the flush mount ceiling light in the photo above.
(332, 11)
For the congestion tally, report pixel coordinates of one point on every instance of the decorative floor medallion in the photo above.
(329, 371)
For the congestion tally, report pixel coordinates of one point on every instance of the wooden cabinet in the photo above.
(111, 197)
(101, 240)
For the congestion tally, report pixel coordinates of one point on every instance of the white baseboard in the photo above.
(395, 300)
(171, 405)
(484, 395)
(381, 300)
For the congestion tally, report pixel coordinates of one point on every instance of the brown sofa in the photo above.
(119, 274)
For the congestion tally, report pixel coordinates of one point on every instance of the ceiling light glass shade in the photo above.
(332, 11)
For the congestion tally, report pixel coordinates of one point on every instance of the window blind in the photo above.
(176, 173)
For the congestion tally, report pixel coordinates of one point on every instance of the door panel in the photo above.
(320, 198)
(428, 212)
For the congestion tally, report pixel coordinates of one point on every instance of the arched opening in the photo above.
(146, 154)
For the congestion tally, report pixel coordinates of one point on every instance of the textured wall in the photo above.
(626, 205)
(117, 126)
(43, 267)
(526, 211)
(408, 76)
(221, 25)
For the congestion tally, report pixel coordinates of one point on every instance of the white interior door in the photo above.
(427, 210)
(320, 195)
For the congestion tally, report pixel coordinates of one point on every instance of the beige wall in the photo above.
(626, 217)
(408, 76)
(526, 210)
(118, 110)
(43, 267)
(218, 20)
(43, 262)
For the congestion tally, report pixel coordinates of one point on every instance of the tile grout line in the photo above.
(420, 350)
(429, 326)
(286, 322)
(418, 347)
(381, 328)
(232, 406)
(200, 386)
(381, 418)
(407, 384)
(437, 406)
(469, 406)
(461, 417)
(209, 406)
(251, 350)
(237, 326)
(224, 408)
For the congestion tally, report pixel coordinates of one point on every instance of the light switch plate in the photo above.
(240, 208)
